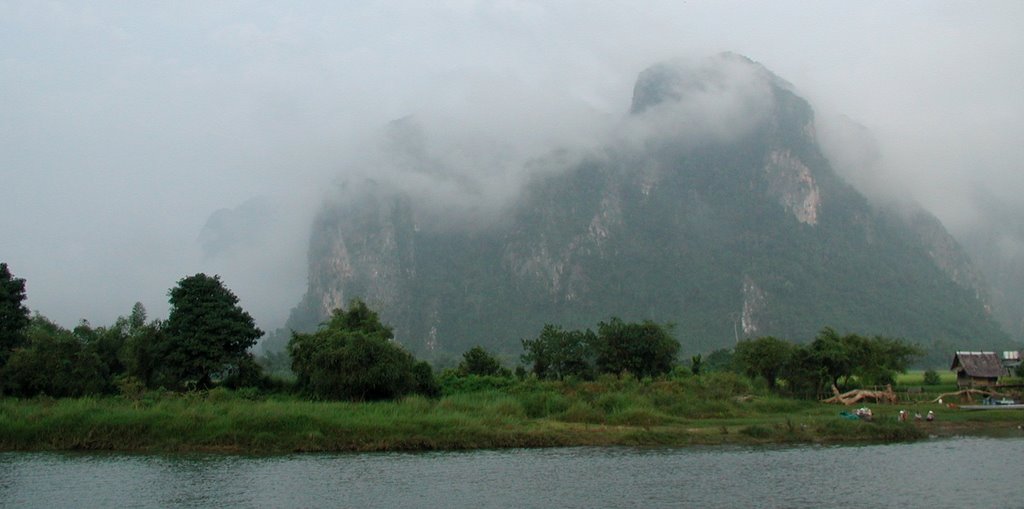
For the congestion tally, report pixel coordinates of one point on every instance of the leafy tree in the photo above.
(424, 381)
(874, 361)
(276, 363)
(53, 362)
(107, 343)
(477, 361)
(697, 364)
(832, 360)
(833, 355)
(557, 353)
(137, 319)
(249, 373)
(352, 357)
(138, 345)
(720, 360)
(642, 349)
(877, 360)
(765, 357)
(143, 355)
(208, 333)
(804, 372)
(14, 316)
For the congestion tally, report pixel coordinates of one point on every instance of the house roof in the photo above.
(978, 364)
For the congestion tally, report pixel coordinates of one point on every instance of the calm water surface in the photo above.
(961, 472)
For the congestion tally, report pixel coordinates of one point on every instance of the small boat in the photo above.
(1012, 406)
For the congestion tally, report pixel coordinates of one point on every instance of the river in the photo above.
(937, 473)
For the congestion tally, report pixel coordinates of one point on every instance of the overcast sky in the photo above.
(125, 125)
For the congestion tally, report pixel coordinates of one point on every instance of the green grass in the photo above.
(916, 377)
(710, 409)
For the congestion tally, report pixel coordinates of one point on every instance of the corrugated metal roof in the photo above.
(979, 364)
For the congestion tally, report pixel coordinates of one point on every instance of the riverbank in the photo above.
(662, 413)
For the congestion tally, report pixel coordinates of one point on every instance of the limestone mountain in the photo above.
(710, 206)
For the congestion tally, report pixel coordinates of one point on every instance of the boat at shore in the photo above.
(1015, 406)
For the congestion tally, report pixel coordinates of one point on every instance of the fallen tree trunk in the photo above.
(858, 395)
(968, 393)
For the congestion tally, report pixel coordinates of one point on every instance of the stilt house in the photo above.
(977, 369)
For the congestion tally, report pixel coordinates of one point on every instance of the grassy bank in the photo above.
(705, 410)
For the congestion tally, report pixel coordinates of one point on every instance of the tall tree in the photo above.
(14, 316)
(208, 333)
(557, 353)
(876, 360)
(765, 357)
(352, 357)
(833, 355)
(642, 349)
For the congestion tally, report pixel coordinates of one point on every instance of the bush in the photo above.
(642, 349)
(423, 380)
(725, 384)
(757, 431)
(452, 383)
(352, 357)
(543, 404)
(477, 361)
(54, 363)
(582, 412)
(931, 377)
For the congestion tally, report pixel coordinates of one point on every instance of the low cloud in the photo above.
(126, 128)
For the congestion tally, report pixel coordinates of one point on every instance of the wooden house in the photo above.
(977, 369)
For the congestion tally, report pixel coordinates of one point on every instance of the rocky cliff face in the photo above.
(714, 209)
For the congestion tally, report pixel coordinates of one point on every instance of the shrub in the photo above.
(931, 377)
(54, 363)
(643, 349)
(477, 361)
(543, 404)
(756, 431)
(581, 411)
(452, 383)
(353, 357)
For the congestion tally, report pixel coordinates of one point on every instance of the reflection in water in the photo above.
(980, 472)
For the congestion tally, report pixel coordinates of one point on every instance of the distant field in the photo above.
(916, 377)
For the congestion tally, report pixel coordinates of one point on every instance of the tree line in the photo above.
(205, 342)
(830, 360)
(206, 338)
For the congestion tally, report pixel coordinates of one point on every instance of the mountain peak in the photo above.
(677, 80)
(718, 209)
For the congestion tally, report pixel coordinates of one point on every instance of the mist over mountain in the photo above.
(991, 234)
(709, 205)
(996, 243)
